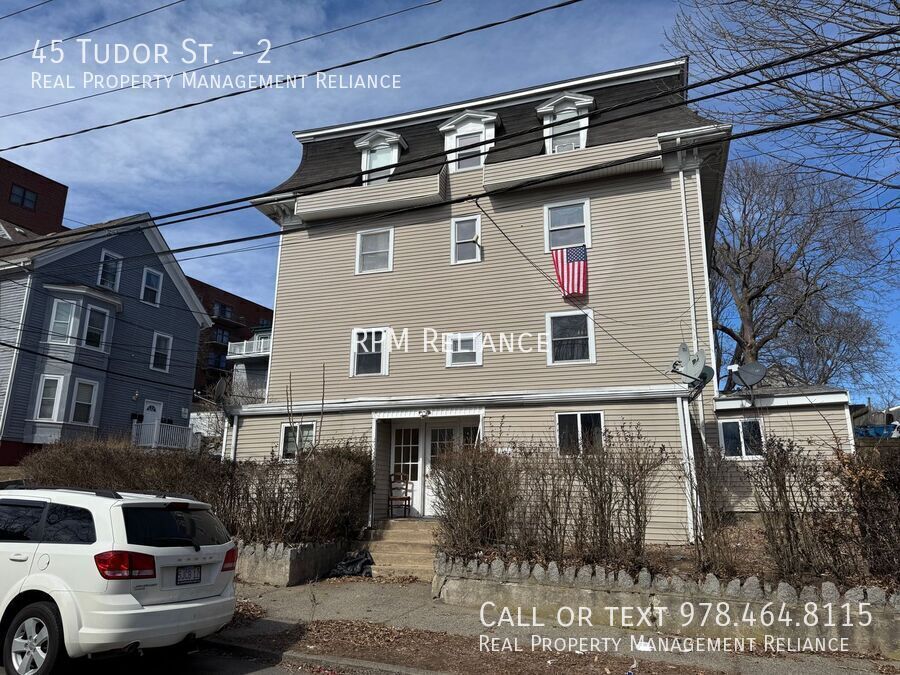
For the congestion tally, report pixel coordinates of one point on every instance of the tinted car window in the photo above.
(20, 521)
(173, 527)
(69, 525)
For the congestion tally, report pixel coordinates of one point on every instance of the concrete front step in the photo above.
(406, 559)
(404, 536)
(423, 573)
(393, 546)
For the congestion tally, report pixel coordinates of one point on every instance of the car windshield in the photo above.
(170, 528)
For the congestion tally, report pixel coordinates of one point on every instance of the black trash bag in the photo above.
(354, 564)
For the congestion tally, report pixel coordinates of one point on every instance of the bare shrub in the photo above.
(476, 492)
(319, 497)
(808, 528)
(532, 503)
(870, 478)
(713, 545)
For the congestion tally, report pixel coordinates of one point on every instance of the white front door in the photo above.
(439, 437)
(150, 425)
(406, 460)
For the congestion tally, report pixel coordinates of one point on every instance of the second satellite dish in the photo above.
(689, 366)
(750, 374)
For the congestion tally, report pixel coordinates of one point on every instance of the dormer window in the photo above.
(379, 149)
(465, 139)
(566, 133)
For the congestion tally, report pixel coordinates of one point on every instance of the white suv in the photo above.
(83, 572)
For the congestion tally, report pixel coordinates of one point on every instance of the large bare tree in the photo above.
(793, 277)
(724, 35)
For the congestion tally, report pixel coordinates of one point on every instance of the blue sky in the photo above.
(243, 145)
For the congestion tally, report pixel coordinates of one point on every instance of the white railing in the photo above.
(159, 435)
(258, 346)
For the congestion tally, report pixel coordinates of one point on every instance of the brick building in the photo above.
(30, 200)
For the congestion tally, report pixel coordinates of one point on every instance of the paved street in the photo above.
(205, 662)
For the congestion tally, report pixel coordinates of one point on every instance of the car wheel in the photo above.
(34, 641)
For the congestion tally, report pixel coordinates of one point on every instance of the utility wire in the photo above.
(229, 60)
(294, 78)
(274, 197)
(22, 11)
(92, 30)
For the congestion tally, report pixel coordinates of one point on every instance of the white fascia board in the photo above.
(603, 79)
(782, 401)
(648, 392)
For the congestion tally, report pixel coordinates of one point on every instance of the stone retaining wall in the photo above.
(280, 565)
(545, 589)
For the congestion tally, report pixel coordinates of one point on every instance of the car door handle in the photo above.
(18, 557)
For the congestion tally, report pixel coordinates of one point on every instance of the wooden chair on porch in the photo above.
(400, 495)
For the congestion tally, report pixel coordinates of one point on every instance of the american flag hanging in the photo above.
(571, 270)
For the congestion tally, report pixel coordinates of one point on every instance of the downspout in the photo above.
(690, 267)
(224, 436)
(690, 474)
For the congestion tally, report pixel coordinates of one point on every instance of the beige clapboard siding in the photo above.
(512, 172)
(659, 425)
(812, 427)
(259, 437)
(637, 283)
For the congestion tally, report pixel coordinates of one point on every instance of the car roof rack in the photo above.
(162, 495)
(109, 494)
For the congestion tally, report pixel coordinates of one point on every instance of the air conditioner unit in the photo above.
(564, 147)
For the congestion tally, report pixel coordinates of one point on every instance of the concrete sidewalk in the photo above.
(411, 606)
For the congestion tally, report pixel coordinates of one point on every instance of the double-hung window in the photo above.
(161, 352)
(110, 270)
(151, 287)
(465, 235)
(376, 158)
(62, 319)
(375, 251)
(578, 431)
(49, 396)
(567, 224)
(296, 437)
(464, 349)
(95, 324)
(84, 402)
(369, 352)
(570, 337)
(741, 438)
(468, 158)
(566, 131)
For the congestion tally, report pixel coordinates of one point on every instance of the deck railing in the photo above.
(258, 346)
(159, 435)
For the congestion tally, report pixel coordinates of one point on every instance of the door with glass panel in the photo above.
(406, 461)
(441, 437)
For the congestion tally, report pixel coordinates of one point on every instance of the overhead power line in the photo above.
(25, 9)
(273, 197)
(306, 38)
(293, 78)
(92, 30)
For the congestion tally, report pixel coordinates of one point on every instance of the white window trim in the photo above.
(359, 236)
(95, 386)
(144, 286)
(377, 139)
(57, 403)
(70, 330)
(479, 349)
(548, 130)
(364, 162)
(297, 425)
(548, 327)
(385, 351)
(104, 253)
(586, 202)
(744, 457)
(104, 341)
(453, 222)
(157, 334)
(469, 122)
(579, 413)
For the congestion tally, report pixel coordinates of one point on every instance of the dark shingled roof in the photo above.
(326, 159)
(36, 242)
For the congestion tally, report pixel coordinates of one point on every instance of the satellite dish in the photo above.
(219, 391)
(690, 366)
(750, 374)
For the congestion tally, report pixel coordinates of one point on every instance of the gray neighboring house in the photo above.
(98, 337)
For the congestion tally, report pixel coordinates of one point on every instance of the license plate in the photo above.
(189, 574)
